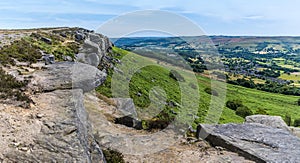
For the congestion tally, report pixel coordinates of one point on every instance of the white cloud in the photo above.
(241, 15)
(253, 17)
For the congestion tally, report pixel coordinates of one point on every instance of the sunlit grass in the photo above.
(152, 76)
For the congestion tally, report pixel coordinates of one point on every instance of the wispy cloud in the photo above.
(253, 17)
(217, 17)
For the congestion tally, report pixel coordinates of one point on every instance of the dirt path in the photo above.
(142, 146)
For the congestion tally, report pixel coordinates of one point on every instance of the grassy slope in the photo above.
(274, 104)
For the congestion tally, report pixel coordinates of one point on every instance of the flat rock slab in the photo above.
(67, 75)
(272, 121)
(55, 130)
(256, 142)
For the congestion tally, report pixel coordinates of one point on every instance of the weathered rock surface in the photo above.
(56, 129)
(254, 141)
(272, 121)
(94, 49)
(126, 106)
(67, 75)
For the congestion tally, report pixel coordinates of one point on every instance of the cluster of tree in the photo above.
(261, 46)
(246, 54)
(198, 67)
(269, 73)
(239, 108)
(242, 82)
(269, 86)
(275, 87)
(297, 122)
(274, 67)
(188, 53)
(289, 122)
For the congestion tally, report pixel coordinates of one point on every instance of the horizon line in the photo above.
(162, 36)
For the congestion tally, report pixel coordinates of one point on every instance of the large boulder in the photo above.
(126, 106)
(254, 141)
(46, 40)
(79, 36)
(55, 130)
(90, 53)
(67, 75)
(94, 49)
(101, 40)
(48, 58)
(90, 58)
(272, 121)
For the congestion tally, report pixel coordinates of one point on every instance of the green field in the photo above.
(274, 104)
(295, 77)
(141, 85)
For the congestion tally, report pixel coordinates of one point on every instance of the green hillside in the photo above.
(150, 76)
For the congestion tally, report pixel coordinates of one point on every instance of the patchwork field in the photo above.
(158, 76)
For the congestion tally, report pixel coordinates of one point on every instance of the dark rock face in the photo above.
(257, 142)
(49, 59)
(129, 118)
(79, 36)
(67, 75)
(62, 134)
(129, 122)
(46, 40)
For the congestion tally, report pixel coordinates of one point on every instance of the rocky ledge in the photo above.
(256, 140)
(56, 128)
(67, 75)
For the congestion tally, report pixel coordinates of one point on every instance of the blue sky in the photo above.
(215, 17)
